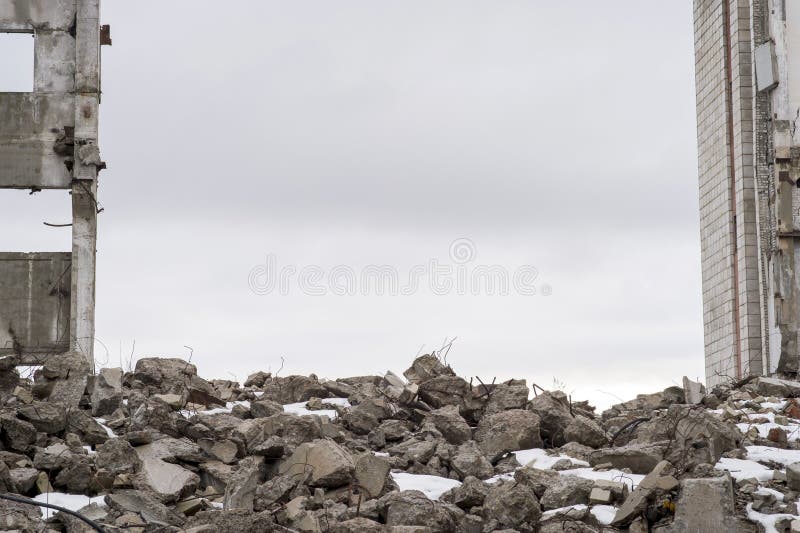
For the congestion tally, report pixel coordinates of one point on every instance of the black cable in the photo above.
(22, 499)
(631, 425)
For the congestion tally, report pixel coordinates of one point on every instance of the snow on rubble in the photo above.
(159, 445)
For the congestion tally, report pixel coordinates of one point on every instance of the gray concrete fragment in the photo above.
(469, 460)
(451, 424)
(241, 488)
(693, 391)
(330, 465)
(371, 474)
(637, 501)
(106, 391)
(793, 476)
(705, 505)
(508, 431)
(169, 481)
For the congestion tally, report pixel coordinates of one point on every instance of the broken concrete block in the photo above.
(62, 379)
(117, 456)
(330, 465)
(706, 505)
(469, 460)
(793, 476)
(638, 500)
(450, 424)
(24, 479)
(781, 388)
(471, 493)
(508, 431)
(46, 417)
(17, 434)
(144, 504)
(426, 367)
(241, 488)
(106, 391)
(565, 491)
(512, 504)
(585, 431)
(601, 496)
(223, 450)
(170, 481)
(693, 391)
(639, 458)
(371, 473)
(553, 410)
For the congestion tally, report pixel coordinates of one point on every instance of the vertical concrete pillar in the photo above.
(84, 186)
(84, 244)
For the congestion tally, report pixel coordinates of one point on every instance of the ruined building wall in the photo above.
(732, 285)
(765, 191)
(748, 110)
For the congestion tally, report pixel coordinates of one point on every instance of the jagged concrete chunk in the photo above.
(46, 417)
(371, 474)
(565, 491)
(117, 456)
(693, 391)
(508, 431)
(106, 391)
(168, 480)
(513, 505)
(553, 410)
(585, 431)
(241, 488)
(705, 505)
(639, 458)
(469, 460)
(427, 367)
(412, 508)
(62, 379)
(144, 504)
(330, 465)
(451, 424)
(638, 500)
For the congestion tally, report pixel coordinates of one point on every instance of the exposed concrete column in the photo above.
(84, 186)
(84, 245)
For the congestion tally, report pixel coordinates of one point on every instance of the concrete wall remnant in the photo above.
(49, 140)
(747, 60)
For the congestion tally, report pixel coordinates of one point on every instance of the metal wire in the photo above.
(28, 501)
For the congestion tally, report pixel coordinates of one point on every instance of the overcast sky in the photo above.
(334, 135)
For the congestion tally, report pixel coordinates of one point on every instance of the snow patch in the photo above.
(300, 408)
(187, 413)
(610, 475)
(73, 502)
(766, 491)
(109, 431)
(538, 458)
(792, 430)
(564, 510)
(431, 486)
(604, 513)
(744, 469)
(776, 455)
(766, 520)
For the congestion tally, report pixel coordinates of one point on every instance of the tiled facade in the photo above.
(736, 231)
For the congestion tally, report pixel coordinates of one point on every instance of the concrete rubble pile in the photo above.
(159, 448)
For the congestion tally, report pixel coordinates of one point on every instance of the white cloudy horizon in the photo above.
(354, 133)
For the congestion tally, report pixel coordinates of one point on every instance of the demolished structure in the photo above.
(158, 448)
(49, 140)
(747, 69)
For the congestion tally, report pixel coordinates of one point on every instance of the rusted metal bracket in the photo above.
(105, 35)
